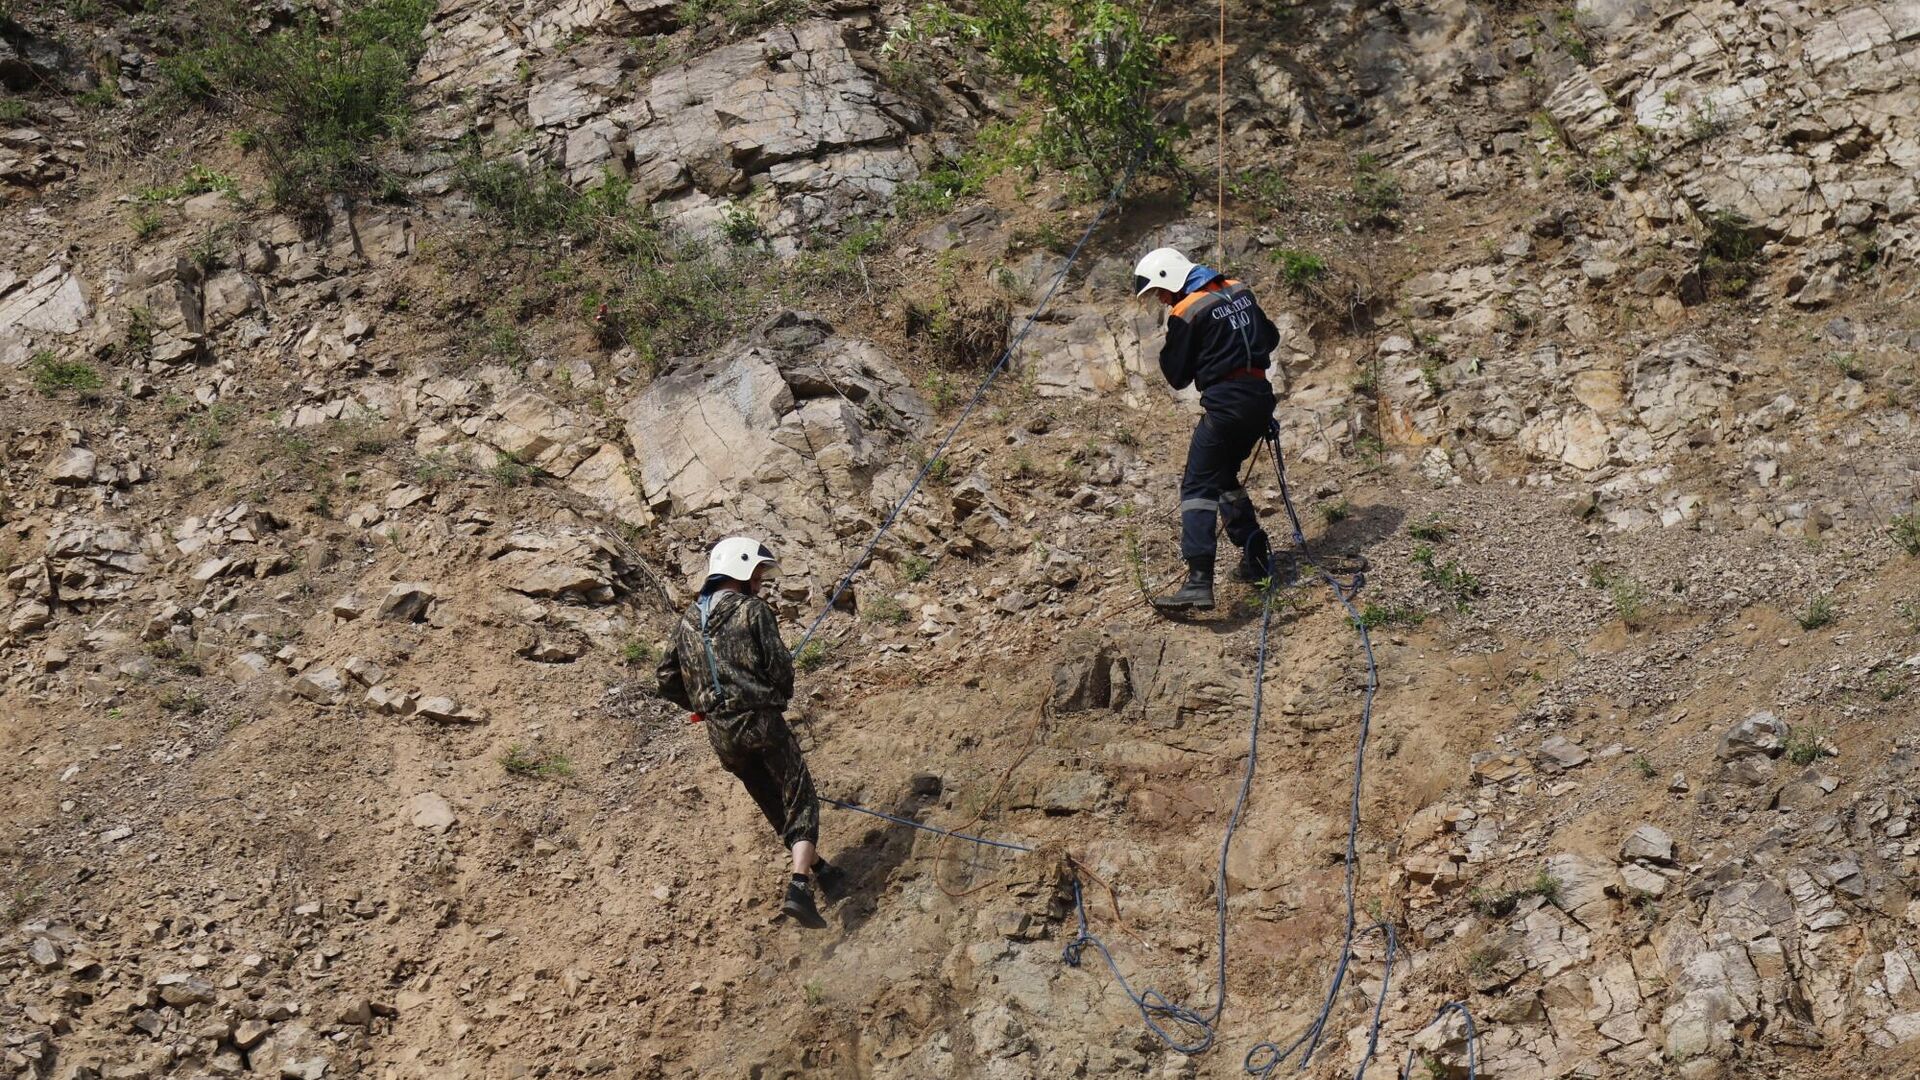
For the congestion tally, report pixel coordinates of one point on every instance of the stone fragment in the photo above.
(44, 954)
(1647, 843)
(247, 667)
(430, 811)
(75, 465)
(181, 990)
(364, 671)
(1761, 733)
(248, 1033)
(1558, 753)
(320, 685)
(447, 710)
(407, 602)
(351, 606)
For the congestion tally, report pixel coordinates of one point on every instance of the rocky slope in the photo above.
(337, 546)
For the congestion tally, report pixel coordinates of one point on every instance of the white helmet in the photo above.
(737, 557)
(1162, 268)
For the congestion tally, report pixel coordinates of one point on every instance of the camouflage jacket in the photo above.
(756, 670)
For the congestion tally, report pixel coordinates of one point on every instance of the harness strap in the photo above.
(705, 604)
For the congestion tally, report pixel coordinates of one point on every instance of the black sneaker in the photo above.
(799, 905)
(831, 879)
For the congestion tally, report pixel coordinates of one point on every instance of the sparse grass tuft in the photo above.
(1335, 512)
(510, 472)
(53, 376)
(814, 655)
(1819, 613)
(1906, 531)
(1432, 529)
(533, 764)
(885, 609)
(635, 652)
(1374, 615)
(1806, 744)
(1644, 767)
(915, 568)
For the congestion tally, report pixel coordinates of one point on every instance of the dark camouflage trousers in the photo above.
(759, 748)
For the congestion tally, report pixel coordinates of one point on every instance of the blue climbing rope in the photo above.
(1006, 356)
(1473, 1040)
(1198, 1024)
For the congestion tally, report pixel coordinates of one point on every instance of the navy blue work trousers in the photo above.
(1210, 491)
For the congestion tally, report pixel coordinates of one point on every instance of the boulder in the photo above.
(1647, 844)
(321, 686)
(1763, 733)
(407, 602)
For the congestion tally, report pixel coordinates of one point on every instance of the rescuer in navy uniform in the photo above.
(1220, 341)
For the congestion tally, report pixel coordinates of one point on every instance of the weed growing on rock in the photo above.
(525, 762)
(915, 568)
(1644, 767)
(1432, 529)
(814, 655)
(1807, 744)
(53, 376)
(885, 609)
(177, 700)
(145, 223)
(12, 110)
(1906, 531)
(1335, 512)
(1819, 612)
(1300, 269)
(635, 652)
(510, 472)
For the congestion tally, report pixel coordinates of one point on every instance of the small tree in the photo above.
(1095, 68)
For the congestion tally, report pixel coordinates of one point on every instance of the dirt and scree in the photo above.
(338, 548)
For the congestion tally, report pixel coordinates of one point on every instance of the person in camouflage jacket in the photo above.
(728, 664)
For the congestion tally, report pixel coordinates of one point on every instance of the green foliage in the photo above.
(1093, 67)
(144, 222)
(1906, 531)
(1729, 250)
(885, 609)
(814, 655)
(1300, 269)
(1376, 192)
(915, 568)
(1335, 512)
(635, 652)
(996, 148)
(1819, 612)
(198, 181)
(12, 110)
(177, 700)
(1644, 767)
(328, 92)
(53, 376)
(1452, 579)
(1432, 529)
(1267, 190)
(528, 763)
(510, 472)
(1430, 376)
(1806, 744)
(739, 227)
(738, 17)
(1374, 616)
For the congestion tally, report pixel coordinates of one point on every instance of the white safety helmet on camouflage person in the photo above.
(1161, 268)
(738, 557)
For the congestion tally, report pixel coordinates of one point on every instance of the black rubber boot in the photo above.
(1195, 595)
(1253, 561)
(799, 905)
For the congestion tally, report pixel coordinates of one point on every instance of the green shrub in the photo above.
(1093, 67)
(885, 609)
(1300, 269)
(509, 471)
(327, 94)
(813, 655)
(53, 376)
(1906, 531)
(12, 110)
(915, 568)
(1432, 529)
